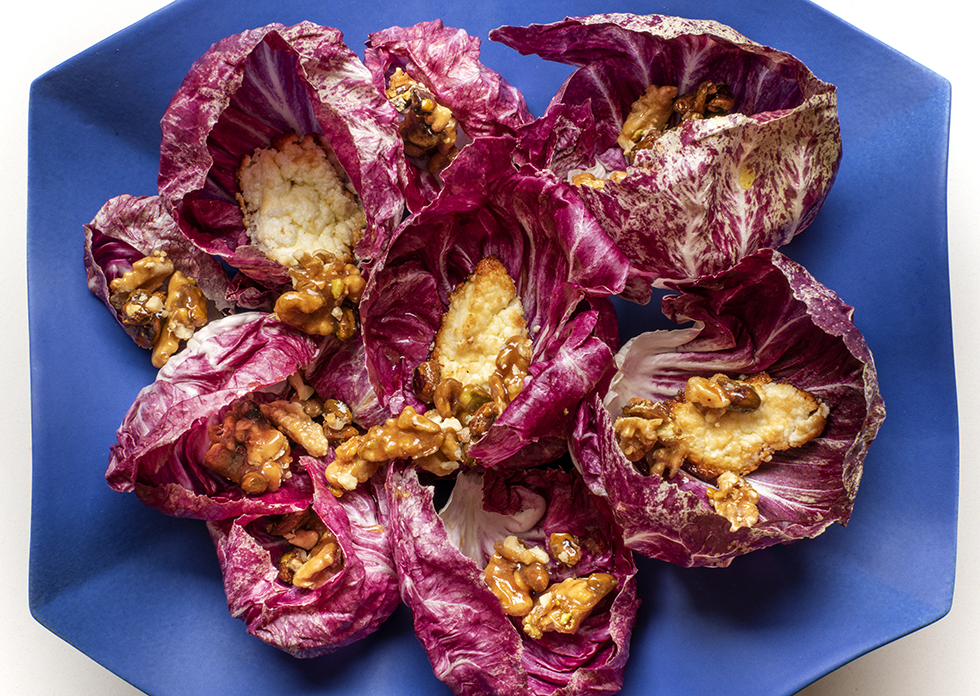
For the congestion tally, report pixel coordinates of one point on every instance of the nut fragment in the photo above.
(410, 435)
(565, 548)
(518, 575)
(252, 445)
(247, 450)
(326, 288)
(429, 128)
(735, 500)
(291, 418)
(315, 555)
(163, 305)
(647, 119)
(651, 114)
(708, 99)
(185, 310)
(567, 604)
(514, 572)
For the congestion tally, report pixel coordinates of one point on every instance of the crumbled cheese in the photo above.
(484, 311)
(294, 200)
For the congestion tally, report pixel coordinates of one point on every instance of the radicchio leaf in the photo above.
(765, 314)
(710, 191)
(562, 264)
(361, 592)
(474, 647)
(163, 438)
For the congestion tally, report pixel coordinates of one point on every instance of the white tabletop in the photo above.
(938, 659)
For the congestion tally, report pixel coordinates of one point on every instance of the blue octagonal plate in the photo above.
(141, 593)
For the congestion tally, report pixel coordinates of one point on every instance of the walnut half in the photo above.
(326, 290)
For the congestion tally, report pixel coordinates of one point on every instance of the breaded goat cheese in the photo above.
(720, 425)
(484, 312)
(295, 199)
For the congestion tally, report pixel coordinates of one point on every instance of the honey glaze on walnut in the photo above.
(326, 292)
(252, 444)
(162, 304)
(314, 554)
(720, 429)
(520, 576)
(655, 112)
(428, 128)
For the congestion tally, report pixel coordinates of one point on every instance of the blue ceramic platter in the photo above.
(141, 593)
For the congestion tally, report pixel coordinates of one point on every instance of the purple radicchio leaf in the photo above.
(161, 443)
(563, 267)
(247, 90)
(710, 191)
(473, 645)
(128, 228)
(765, 314)
(361, 590)
(447, 62)
(340, 372)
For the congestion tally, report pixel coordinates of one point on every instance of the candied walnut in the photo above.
(720, 424)
(565, 548)
(643, 408)
(291, 418)
(650, 115)
(410, 435)
(337, 421)
(597, 182)
(429, 128)
(185, 310)
(588, 179)
(722, 392)
(348, 469)
(514, 572)
(326, 288)
(735, 500)
(647, 119)
(567, 604)
(512, 363)
(147, 274)
(247, 450)
(518, 576)
(709, 99)
(162, 316)
(143, 311)
(316, 554)
(636, 436)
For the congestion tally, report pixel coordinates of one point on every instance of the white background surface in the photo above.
(943, 658)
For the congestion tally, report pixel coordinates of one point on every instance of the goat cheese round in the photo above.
(294, 199)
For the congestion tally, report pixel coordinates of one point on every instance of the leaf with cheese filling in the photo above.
(801, 333)
(563, 268)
